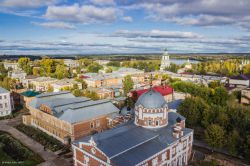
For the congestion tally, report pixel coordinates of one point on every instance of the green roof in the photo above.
(30, 93)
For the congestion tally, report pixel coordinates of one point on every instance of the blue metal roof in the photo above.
(151, 99)
(2, 90)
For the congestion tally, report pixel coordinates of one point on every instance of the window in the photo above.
(149, 122)
(155, 161)
(92, 125)
(163, 157)
(86, 160)
(97, 123)
(157, 123)
(6, 105)
(5, 97)
(1, 105)
(0, 97)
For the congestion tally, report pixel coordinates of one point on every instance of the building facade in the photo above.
(157, 136)
(6, 102)
(68, 118)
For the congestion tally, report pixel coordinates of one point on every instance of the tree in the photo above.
(84, 84)
(114, 63)
(36, 71)
(91, 94)
(233, 141)
(213, 84)
(220, 96)
(127, 84)
(94, 67)
(3, 72)
(192, 108)
(109, 70)
(214, 136)
(77, 92)
(24, 64)
(50, 89)
(8, 83)
(61, 72)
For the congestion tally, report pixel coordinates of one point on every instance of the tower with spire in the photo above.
(165, 62)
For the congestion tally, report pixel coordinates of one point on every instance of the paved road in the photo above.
(50, 158)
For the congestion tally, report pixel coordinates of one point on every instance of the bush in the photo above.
(17, 151)
(41, 137)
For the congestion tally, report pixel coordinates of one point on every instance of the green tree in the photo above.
(61, 72)
(127, 84)
(214, 136)
(77, 92)
(8, 83)
(94, 67)
(3, 72)
(233, 141)
(91, 94)
(220, 96)
(50, 89)
(24, 64)
(109, 70)
(114, 63)
(192, 108)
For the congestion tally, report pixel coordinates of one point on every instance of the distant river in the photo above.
(181, 61)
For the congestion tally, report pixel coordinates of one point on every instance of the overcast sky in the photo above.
(124, 26)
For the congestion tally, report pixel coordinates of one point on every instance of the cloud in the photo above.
(127, 19)
(27, 3)
(195, 12)
(58, 25)
(155, 34)
(81, 14)
(103, 2)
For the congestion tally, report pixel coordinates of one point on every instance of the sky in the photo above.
(42, 27)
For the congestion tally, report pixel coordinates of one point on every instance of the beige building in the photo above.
(65, 84)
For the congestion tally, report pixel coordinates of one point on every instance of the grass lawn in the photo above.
(13, 152)
(41, 137)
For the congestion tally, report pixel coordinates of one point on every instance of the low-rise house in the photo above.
(123, 71)
(65, 84)
(17, 74)
(11, 65)
(27, 96)
(100, 80)
(240, 80)
(68, 118)
(41, 84)
(245, 96)
(108, 92)
(6, 102)
(27, 81)
(102, 62)
(71, 63)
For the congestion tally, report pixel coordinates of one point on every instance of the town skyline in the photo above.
(118, 27)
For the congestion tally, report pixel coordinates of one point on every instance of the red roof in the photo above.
(83, 77)
(163, 90)
(188, 73)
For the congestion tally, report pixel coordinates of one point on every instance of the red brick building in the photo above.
(157, 136)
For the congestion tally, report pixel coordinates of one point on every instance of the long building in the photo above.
(66, 117)
(157, 136)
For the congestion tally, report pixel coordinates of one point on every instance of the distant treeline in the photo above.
(148, 56)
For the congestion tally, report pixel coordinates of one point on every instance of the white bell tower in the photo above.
(165, 62)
